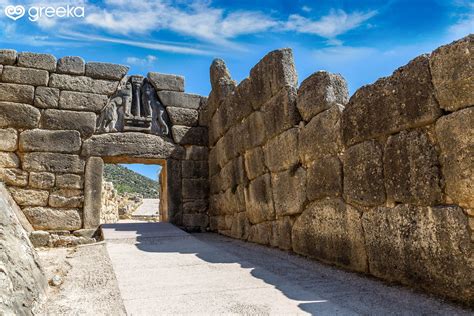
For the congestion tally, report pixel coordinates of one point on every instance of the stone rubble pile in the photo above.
(117, 206)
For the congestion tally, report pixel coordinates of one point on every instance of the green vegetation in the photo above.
(126, 180)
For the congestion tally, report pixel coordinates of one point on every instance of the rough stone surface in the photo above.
(79, 101)
(403, 100)
(197, 153)
(259, 200)
(105, 70)
(411, 169)
(185, 135)
(183, 116)
(27, 76)
(46, 218)
(179, 99)
(455, 133)
(18, 115)
(255, 163)
(321, 91)
(324, 178)
(50, 141)
(8, 56)
(52, 162)
(40, 238)
(9, 160)
(195, 188)
(281, 152)
(66, 198)
(289, 191)
(331, 231)
(16, 93)
(41, 180)
(452, 67)
(93, 192)
(363, 174)
(15, 177)
(8, 139)
(281, 233)
(195, 169)
(38, 61)
(46, 98)
(82, 84)
(83, 122)
(422, 246)
(69, 181)
(166, 82)
(72, 65)
(28, 197)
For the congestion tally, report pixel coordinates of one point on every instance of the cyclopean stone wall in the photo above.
(52, 152)
(381, 183)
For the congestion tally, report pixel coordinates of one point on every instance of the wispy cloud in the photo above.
(137, 61)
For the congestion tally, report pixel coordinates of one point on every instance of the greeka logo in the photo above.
(16, 12)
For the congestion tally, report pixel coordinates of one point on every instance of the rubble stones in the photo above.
(8, 56)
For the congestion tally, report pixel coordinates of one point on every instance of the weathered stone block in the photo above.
(195, 188)
(8, 56)
(26, 76)
(451, 68)
(83, 84)
(321, 91)
(280, 112)
(240, 226)
(46, 98)
(321, 137)
(50, 141)
(422, 246)
(69, 181)
(363, 174)
(191, 221)
(18, 115)
(253, 131)
(324, 178)
(16, 93)
(72, 65)
(38, 61)
(185, 135)
(105, 70)
(411, 169)
(281, 233)
(131, 144)
(15, 177)
(8, 139)
(40, 238)
(455, 133)
(402, 101)
(195, 169)
(46, 218)
(180, 99)
(28, 197)
(66, 198)
(83, 122)
(80, 101)
(52, 162)
(233, 174)
(41, 180)
(261, 233)
(182, 116)
(281, 152)
(197, 153)
(93, 192)
(259, 200)
(289, 191)
(9, 160)
(195, 207)
(166, 82)
(255, 163)
(331, 231)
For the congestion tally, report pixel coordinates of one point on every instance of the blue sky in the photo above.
(361, 39)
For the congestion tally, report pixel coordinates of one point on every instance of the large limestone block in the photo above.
(26, 76)
(195, 221)
(221, 82)
(38, 61)
(182, 116)
(255, 163)
(321, 137)
(105, 70)
(16, 93)
(46, 218)
(8, 56)
(66, 198)
(46, 98)
(41, 180)
(261, 233)
(195, 206)
(69, 181)
(15, 177)
(281, 152)
(72, 65)
(331, 231)
(324, 178)
(195, 169)
(452, 67)
(197, 153)
(422, 246)
(455, 133)
(50, 141)
(180, 99)
(81, 101)
(233, 174)
(289, 191)
(281, 233)
(82, 84)
(402, 101)
(83, 122)
(8, 139)
(259, 200)
(131, 144)
(52, 162)
(240, 226)
(28, 197)
(166, 81)
(195, 188)
(185, 135)
(9, 160)
(321, 91)
(18, 115)
(411, 169)
(93, 192)
(363, 174)
(251, 132)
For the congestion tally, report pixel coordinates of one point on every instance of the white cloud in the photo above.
(146, 61)
(306, 8)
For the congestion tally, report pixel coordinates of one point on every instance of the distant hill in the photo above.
(126, 180)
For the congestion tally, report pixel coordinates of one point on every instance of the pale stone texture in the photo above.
(105, 70)
(46, 98)
(185, 135)
(182, 116)
(41, 180)
(66, 198)
(15, 177)
(93, 192)
(46, 218)
(321, 91)
(179, 99)
(52, 162)
(363, 174)
(331, 231)
(289, 191)
(40, 238)
(83, 84)
(9, 160)
(27, 76)
(16, 93)
(50, 141)
(38, 61)
(411, 169)
(8, 139)
(281, 152)
(280, 112)
(72, 65)
(166, 82)
(69, 181)
(455, 133)
(83, 122)
(255, 163)
(324, 178)
(259, 200)
(18, 115)
(79, 101)
(452, 67)
(28, 197)
(8, 56)
(422, 246)
(403, 100)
